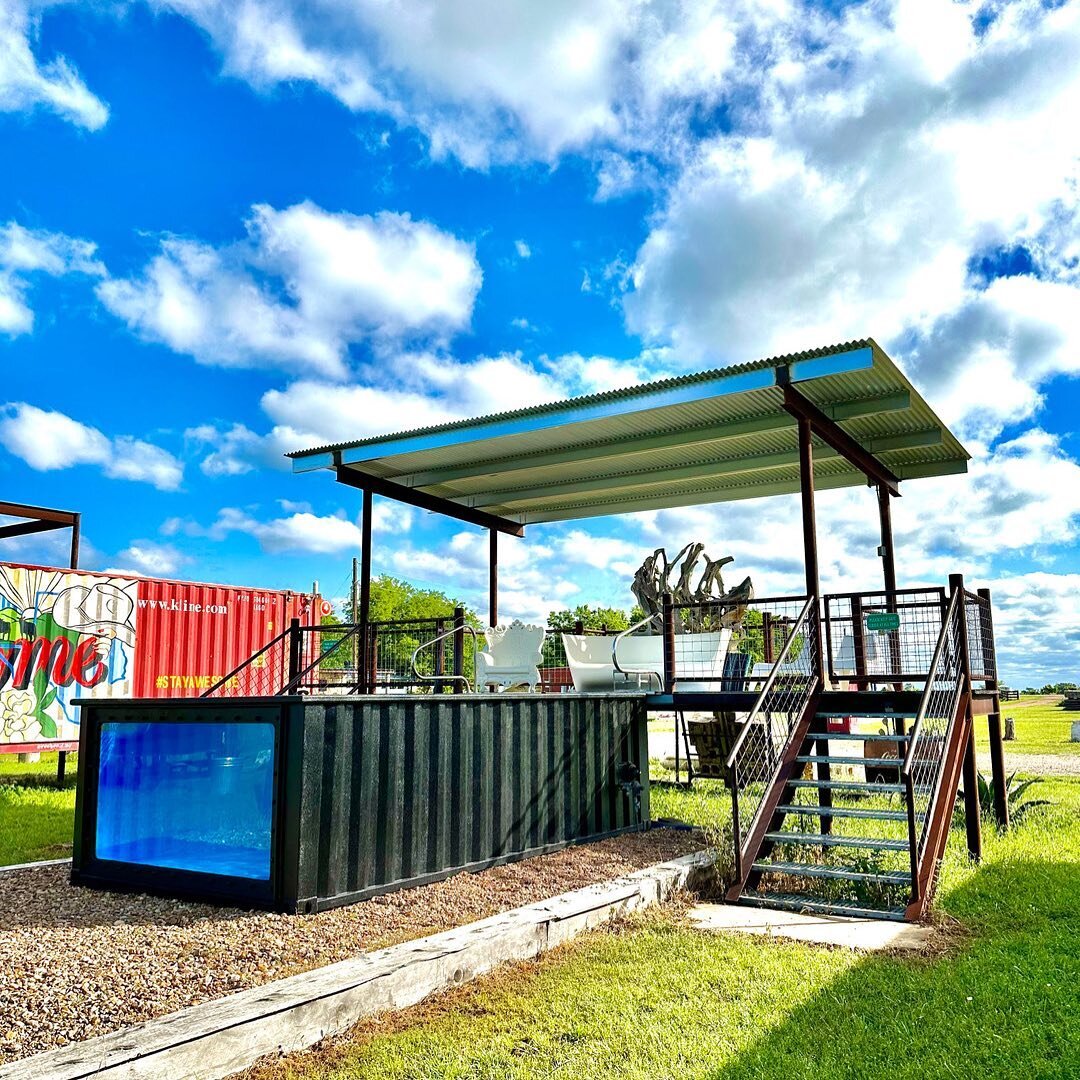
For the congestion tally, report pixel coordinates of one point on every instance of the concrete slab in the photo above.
(869, 935)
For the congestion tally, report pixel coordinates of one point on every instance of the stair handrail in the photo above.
(434, 641)
(625, 633)
(246, 663)
(924, 700)
(768, 685)
(807, 617)
(917, 837)
(297, 680)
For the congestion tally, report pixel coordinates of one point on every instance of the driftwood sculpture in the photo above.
(711, 608)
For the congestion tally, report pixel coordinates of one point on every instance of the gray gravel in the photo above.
(1037, 764)
(79, 962)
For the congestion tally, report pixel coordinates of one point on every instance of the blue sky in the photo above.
(228, 230)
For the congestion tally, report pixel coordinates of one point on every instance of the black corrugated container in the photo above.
(301, 804)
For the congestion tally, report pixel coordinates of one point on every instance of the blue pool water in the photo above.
(187, 796)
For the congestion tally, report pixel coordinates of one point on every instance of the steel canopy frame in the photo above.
(38, 519)
(647, 447)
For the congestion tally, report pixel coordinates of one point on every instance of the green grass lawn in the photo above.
(36, 820)
(654, 998)
(1042, 726)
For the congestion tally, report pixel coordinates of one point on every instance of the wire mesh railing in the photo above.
(980, 632)
(758, 752)
(261, 675)
(924, 763)
(877, 638)
(720, 647)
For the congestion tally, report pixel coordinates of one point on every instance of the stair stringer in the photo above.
(767, 818)
(942, 814)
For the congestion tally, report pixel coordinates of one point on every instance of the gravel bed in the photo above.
(79, 962)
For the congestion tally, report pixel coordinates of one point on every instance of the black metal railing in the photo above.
(877, 638)
(924, 765)
(757, 755)
(980, 632)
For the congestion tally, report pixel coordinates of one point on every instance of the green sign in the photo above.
(883, 621)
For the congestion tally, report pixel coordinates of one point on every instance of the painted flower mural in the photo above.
(62, 635)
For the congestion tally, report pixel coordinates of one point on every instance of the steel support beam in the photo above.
(830, 432)
(809, 523)
(421, 499)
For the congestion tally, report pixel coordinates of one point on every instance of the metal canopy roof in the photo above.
(711, 437)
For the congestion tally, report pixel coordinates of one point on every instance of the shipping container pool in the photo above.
(299, 804)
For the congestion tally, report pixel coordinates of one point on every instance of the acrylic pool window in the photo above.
(189, 797)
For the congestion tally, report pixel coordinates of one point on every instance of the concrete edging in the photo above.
(35, 865)
(220, 1037)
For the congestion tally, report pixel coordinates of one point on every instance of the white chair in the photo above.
(512, 656)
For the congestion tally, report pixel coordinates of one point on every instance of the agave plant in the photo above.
(1013, 793)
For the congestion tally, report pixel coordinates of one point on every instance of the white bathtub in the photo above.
(697, 657)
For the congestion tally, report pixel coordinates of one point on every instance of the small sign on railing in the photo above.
(883, 621)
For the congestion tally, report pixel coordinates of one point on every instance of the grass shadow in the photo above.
(1004, 1003)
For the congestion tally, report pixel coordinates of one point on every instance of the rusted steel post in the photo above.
(366, 685)
(997, 747)
(809, 524)
(75, 528)
(858, 639)
(294, 652)
(669, 648)
(493, 575)
(459, 649)
(888, 564)
(766, 632)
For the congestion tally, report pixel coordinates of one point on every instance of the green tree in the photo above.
(592, 618)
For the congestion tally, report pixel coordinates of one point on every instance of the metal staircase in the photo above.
(835, 833)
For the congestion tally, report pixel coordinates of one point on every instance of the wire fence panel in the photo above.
(980, 630)
(723, 648)
(871, 638)
(925, 760)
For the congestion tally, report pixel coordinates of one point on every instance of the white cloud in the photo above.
(490, 81)
(26, 252)
(151, 558)
(303, 287)
(48, 440)
(523, 249)
(26, 82)
(299, 532)
(864, 172)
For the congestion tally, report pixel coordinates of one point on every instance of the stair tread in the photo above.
(857, 785)
(832, 840)
(863, 714)
(815, 759)
(841, 812)
(841, 873)
(794, 902)
(858, 736)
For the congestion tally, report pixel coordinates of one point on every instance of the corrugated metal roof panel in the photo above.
(714, 436)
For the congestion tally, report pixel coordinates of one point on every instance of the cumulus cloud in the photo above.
(303, 287)
(28, 252)
(868, 169)
(47, 440)
(494, 82)
(26, 82)
(150, 558)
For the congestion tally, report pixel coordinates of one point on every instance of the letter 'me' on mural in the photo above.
(62, 635)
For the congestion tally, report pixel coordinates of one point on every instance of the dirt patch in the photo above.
(79, 962)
